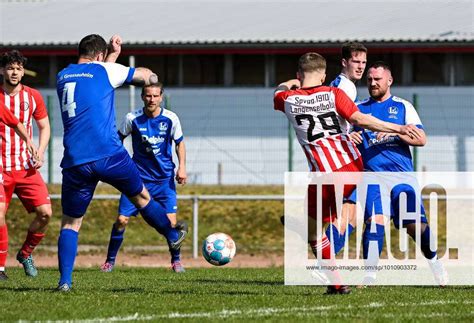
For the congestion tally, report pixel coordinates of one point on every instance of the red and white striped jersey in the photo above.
(25, 105)
(319, 116)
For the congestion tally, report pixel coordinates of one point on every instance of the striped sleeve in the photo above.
(7, 117)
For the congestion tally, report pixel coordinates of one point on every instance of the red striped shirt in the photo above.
(24, 105)
(319, 116)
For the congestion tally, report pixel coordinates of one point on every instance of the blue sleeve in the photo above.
(129, 78)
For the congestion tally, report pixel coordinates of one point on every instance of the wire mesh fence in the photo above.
(233, 136)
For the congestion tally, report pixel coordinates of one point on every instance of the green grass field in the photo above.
(130, 294)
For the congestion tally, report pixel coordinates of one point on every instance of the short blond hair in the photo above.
(312, 62)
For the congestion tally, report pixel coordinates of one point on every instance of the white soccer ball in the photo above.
(218, 249)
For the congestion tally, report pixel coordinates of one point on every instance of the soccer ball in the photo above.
(218, 249)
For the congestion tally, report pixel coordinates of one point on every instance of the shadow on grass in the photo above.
(27, 289)
(238, 282)
(449, 287)
(127, 290)
(222, 292)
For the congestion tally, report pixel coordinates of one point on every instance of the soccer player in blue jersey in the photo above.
(391, 153)
(153, 130)
(93, 151)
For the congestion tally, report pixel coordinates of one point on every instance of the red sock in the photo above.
(325, 246)
(32, 240)
(3, 245)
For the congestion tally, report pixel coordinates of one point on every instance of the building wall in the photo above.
(267, 70)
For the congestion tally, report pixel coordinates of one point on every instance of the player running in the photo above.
(391, 153)
(93, 151)
(20, 174)
(319, 116)
(153, 131)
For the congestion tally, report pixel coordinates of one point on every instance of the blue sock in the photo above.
(338, 239)
(67, 250)
(373, 236)
(175, 255)
(425, 243)
(116, 239)
(156, 217)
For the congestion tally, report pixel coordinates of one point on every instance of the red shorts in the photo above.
(328, 195)
(28, 185)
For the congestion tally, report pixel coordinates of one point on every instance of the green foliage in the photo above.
(219, 294)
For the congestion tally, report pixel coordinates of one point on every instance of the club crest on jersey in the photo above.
(163, 126)
(24, 106)
(393, 111)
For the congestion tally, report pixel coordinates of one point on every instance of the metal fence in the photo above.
(233, 136)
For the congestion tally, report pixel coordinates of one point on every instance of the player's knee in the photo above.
(411, 229)
(172, 218)
(142, 199)
(121, 222)
(43, 215)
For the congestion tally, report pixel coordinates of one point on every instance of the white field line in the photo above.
(290, 311)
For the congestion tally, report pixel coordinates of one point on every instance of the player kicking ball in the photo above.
(153, 130)
(93, 151)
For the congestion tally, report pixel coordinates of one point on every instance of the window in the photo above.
(165, 66)
(465, 69)
(203, 70)
(429, 69)
(249, 70)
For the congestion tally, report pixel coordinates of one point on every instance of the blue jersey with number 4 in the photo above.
(86, 95)
(390, 154)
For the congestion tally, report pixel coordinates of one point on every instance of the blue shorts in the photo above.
(79, 182)
(162, 192)
(374, 203)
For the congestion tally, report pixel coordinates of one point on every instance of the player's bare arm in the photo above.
(114, 49)
(369, 122)
(181, 176)
(44, 130)
(288, 85)
(21, 131)
(144, 76)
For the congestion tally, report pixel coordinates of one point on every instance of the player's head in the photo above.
(312, 65)
(354, 60)
(152, 97)
(13, 70)
(93, 47)
(379, 80)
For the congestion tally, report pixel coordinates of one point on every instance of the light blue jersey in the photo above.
(86, 95)
(152, 140)
(391, 154)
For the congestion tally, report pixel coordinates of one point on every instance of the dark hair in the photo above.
(351, 47)
(311, 62)
(381, 64)
(159, 85)
(13, 56)
(92, 45)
